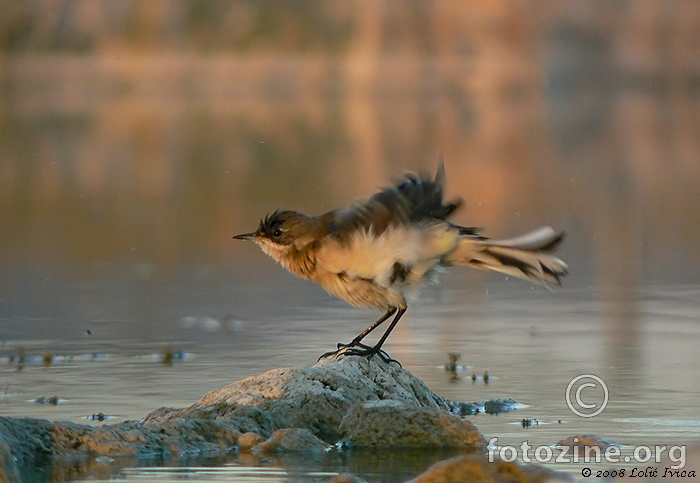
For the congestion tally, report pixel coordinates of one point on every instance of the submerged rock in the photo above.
(492, 406)
(479, 468)
(581, 442)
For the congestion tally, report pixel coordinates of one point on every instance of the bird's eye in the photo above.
(277, 233)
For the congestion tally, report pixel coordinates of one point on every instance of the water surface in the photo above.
(531, 342)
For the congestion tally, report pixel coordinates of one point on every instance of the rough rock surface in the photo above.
(9, 473)
(395, 423)
(34, 441)
(247, 441)
(291, 440)
(316, 398)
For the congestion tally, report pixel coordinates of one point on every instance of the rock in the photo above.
(392, 423)
(291, 440)
(28, 440)
(369, 403)
(316, 398)
(478, 468)
(580, 444)
(9, 473)
(585, 440)
(347, 478)
(498, 406)
(34, 441)
(247, 440)
(492, 406)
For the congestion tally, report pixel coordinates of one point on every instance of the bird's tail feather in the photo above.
(525, 257)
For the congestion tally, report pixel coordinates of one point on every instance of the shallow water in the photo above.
(531, 342)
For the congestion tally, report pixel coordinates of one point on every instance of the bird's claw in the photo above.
(359, 349)
(341, 349)
(370, 352)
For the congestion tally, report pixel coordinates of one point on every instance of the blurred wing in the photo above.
(413, 199)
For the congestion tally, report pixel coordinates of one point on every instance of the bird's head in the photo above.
(281, 232)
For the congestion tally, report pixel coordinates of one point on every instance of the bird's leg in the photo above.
(370, 352)
(356, 342)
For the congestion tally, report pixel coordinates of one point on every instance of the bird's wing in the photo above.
(412, 199)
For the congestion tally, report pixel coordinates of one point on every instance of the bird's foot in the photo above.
(342, 348)
(370, 352)
(361, 350)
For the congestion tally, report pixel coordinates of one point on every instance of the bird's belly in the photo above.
(361, 292)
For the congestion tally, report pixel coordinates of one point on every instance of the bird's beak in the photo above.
(245, 236)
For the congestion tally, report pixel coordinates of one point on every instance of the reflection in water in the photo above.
(613, 193)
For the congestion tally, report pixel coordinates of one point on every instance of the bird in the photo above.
(380, 251)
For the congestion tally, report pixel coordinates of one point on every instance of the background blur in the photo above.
(137, 137)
